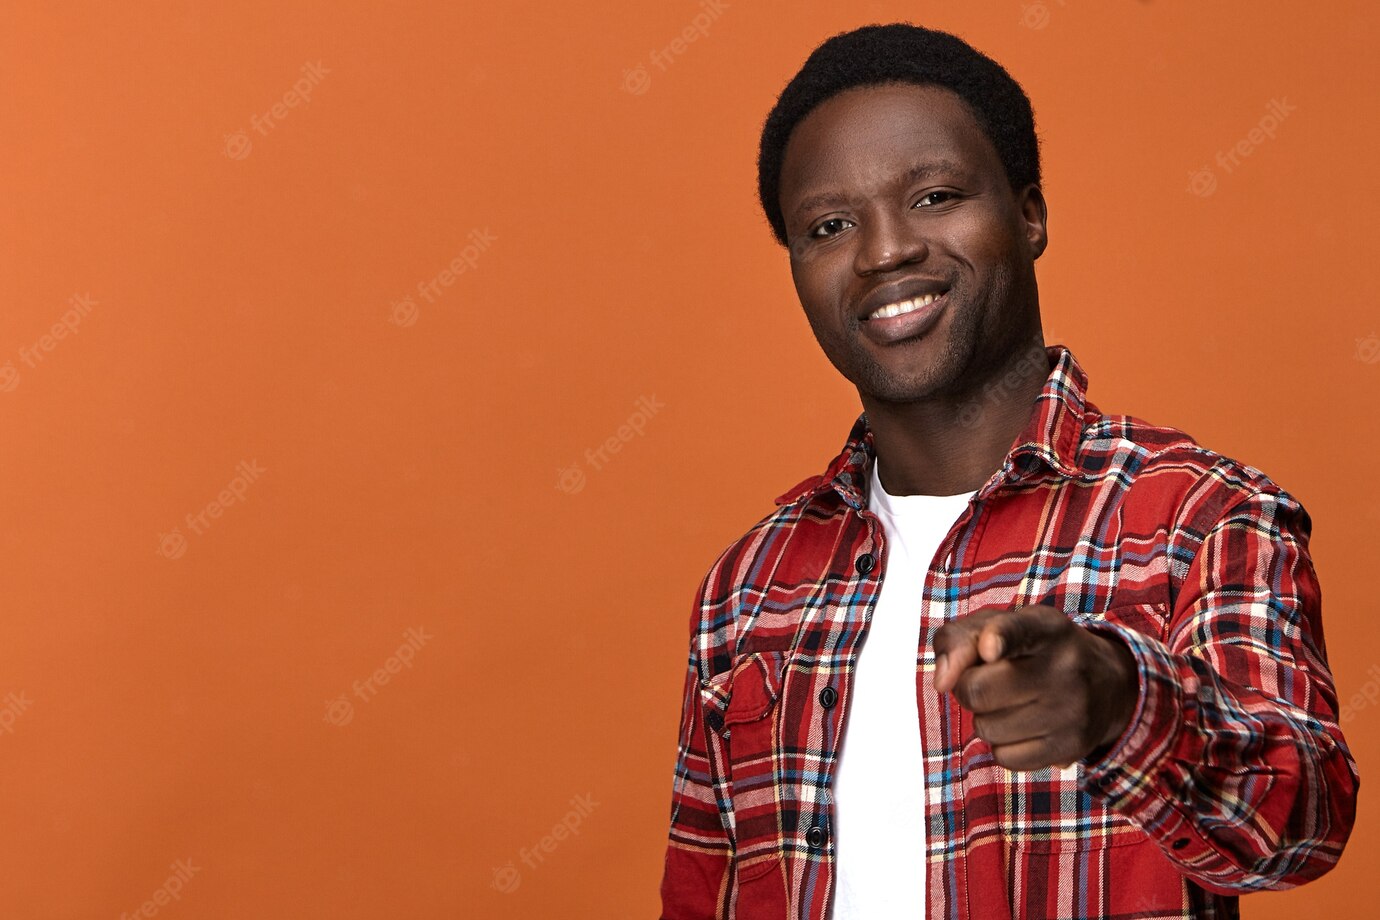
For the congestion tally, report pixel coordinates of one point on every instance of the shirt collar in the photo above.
(1050, 438)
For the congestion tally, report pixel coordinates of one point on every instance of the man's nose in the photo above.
(887, 242)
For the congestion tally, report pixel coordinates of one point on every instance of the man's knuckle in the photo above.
(973, 693)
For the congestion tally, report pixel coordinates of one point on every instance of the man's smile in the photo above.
(904, 320)
(885, 297)
(905, 306)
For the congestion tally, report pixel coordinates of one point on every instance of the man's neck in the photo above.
(946, 447)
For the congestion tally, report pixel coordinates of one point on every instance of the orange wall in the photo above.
(181, 687)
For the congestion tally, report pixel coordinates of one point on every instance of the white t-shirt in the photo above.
(879, 790)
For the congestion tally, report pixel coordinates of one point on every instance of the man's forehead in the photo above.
(915, 135)
(885, 110)
(879, 136)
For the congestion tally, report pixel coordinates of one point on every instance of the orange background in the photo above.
(186, 693)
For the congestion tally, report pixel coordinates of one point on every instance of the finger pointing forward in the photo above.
(991, 634)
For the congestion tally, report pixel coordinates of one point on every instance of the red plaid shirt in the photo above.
(1233, 775)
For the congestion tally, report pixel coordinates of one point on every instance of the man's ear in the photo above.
(1034, 218)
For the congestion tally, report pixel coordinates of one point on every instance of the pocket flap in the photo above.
(749, 690)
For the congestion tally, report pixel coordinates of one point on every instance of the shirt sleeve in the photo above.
(1234, 761)
(697, 853)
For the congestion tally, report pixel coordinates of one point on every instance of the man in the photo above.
(1008, 656)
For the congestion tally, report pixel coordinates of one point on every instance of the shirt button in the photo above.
(865, 563)
(828, 697)
(1180, 843)
(815, 837)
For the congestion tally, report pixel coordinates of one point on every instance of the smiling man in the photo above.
(1009, 656)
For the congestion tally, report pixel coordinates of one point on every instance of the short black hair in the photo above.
(901, 53)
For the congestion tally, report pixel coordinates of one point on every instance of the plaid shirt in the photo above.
(1232, 776)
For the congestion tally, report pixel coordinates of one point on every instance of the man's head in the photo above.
(899, 164)
(901, 52)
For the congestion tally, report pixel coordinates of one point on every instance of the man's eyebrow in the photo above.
(919, 171)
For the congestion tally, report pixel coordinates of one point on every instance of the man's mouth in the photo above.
(904, 320)
(904, 306)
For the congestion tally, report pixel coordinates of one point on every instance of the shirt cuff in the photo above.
(1124, 773)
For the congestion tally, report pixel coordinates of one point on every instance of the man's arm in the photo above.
(1233, 759)
(697, 853)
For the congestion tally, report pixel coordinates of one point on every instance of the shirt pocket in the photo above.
(760, 889)
(1047, 811)
(742, 708)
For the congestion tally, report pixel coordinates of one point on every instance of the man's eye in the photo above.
(943, 196)
(831, 221)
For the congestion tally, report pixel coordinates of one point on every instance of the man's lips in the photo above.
(899, 292)
(917, 317)
(900, 308)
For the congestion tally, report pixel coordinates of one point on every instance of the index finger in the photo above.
(956, 646)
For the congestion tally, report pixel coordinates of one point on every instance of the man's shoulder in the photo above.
(808, 484)
(743, 552)
(1171, 463)
(749, 566)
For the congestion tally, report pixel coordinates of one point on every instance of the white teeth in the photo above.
(905, 306)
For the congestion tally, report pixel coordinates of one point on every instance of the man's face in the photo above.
(892, 193)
